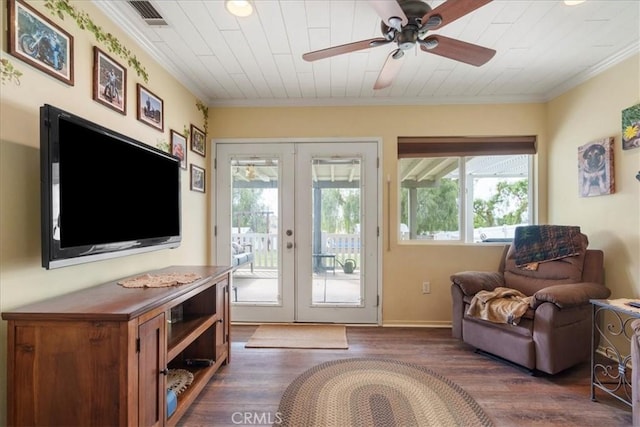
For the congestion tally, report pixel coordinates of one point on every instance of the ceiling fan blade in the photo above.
(451, 10)
(387, 9)
(345, 48)
(389, 69)
(456, 49)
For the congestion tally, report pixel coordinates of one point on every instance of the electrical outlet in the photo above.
(426, 287)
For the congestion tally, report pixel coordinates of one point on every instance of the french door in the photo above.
(300, 222)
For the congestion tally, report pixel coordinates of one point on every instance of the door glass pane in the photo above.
(336, 232)
(254, 231)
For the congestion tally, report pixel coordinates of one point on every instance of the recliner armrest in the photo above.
(471, 282)
(570, 295)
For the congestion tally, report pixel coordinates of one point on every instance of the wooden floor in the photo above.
(252, 384)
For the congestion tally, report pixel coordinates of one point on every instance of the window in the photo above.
(465, 189)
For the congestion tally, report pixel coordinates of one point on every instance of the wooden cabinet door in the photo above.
(152, 367)
(222, 309)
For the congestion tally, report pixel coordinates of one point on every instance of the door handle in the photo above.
(289, 232)
(289, 245)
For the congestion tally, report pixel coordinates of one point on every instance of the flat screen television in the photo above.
(103, 194)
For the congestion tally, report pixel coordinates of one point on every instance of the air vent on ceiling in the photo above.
(147, 12)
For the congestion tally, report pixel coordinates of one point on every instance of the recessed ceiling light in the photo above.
(573, 2)
(239, 8)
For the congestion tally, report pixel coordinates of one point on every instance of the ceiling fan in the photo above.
(407, 23)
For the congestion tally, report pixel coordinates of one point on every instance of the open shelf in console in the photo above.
(201, 377)
(198, 316)
(183, 333)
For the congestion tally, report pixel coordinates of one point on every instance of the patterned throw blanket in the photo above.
(502, 305)
(540, 243)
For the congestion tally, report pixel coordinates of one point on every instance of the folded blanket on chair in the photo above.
(540, 243)
(502, 305)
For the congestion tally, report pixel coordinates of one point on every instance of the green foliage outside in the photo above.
(437, 209)
(340, 210)
(248, 210)
(507, 206)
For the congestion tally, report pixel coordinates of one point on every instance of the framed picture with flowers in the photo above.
(631, 127)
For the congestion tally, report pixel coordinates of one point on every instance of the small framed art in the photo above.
(631, 127)
(198, 144)
(109, 82)
(595, 168)
(179, 147)
(39, 42)
(150, 108)
(197, 178)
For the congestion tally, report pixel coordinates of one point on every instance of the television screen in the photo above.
(103, 194)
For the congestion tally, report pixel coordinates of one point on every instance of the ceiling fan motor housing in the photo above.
(407, 37)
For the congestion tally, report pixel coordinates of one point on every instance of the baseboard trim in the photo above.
(415, 324)
(388, 324)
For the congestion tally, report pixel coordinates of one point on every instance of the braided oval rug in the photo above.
(377, 392)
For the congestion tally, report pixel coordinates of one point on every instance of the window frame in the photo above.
(457, 147)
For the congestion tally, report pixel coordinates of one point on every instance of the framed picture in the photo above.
(198, 144)
(39, 42)
(197, 178)
(631, 127)
(179, 147)
(150, 109)
(595, 168)
(109, 82)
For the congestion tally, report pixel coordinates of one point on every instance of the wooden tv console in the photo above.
(99, 356)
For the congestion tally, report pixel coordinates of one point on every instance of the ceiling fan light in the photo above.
(433, 21)
(241, 8)
(573, 2)
(430, 43)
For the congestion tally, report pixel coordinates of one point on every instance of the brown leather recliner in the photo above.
(555, 332)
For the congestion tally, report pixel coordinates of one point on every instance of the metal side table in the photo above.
(611, 347)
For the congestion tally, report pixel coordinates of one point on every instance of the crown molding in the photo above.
(130, 24)
(591, 72)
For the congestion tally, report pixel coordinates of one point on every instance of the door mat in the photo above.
(299, 336)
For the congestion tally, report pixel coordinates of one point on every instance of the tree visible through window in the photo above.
(464, 189)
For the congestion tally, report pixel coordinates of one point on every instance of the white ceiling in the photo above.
(543, 48)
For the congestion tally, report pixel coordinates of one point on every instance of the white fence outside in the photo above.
(265, 247)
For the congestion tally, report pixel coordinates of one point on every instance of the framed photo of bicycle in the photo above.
(39, 42)
(150, 108)
(198, 144)
(109, 82)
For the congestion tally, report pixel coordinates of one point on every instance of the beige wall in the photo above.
(22, 280)
(406, 265)
(589, 112)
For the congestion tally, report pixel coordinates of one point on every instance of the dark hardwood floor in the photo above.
(252, 384)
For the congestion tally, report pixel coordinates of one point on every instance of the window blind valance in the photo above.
(449, 146)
